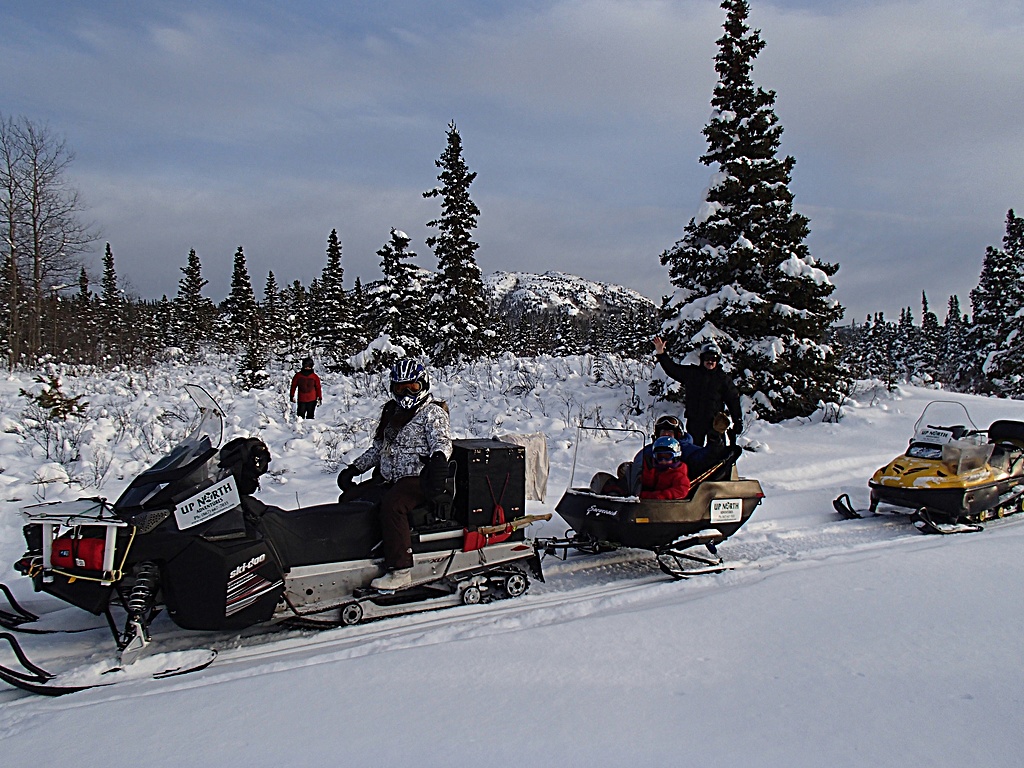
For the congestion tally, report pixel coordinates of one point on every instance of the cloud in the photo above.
(268, 126)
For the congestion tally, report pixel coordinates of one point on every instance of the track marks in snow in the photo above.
(576, 588)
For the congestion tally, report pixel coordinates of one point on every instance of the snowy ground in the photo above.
(831, 643)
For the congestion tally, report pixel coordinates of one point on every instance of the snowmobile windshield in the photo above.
(941, 423)
(198, 447)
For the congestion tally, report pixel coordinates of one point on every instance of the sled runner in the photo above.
(718, 504)
(953, 477)
(188, 537)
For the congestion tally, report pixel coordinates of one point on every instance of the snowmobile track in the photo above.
(577, 587)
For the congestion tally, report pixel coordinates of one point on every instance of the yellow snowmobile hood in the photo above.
(907, 472)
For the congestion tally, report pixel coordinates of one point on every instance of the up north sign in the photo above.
(207, 504)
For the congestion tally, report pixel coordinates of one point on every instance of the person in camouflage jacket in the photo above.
(410, 451)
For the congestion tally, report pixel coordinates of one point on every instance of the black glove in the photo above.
(435, 475)
(347, 477)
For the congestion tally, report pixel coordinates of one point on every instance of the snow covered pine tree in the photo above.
(460, 315)
(742, 272)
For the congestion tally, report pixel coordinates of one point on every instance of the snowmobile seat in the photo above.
(322, 534)
(1007, 431)
(599, 481)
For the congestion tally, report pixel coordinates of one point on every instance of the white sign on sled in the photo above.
(726, 510)
(207, 504)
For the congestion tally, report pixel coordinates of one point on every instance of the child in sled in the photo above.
(667, 477)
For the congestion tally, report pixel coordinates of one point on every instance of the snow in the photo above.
(831, 642)
(798, 268)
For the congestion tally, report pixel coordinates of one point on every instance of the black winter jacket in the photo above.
(706, 392)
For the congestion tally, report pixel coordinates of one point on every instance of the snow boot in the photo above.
(402, 577)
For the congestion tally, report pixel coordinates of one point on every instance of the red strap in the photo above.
(499, 512)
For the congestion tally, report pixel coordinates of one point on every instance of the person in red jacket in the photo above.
(308, 385)
(666, 478)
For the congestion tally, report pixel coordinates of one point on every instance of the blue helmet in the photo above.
(409, 383)
(667, 450)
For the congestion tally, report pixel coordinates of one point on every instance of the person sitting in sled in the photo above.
(697, 458)
(619, 485)
(667, 478)
(310, 393)
(410, 450)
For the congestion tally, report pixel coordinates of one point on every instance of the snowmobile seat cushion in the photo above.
(324, 533)
(1007, 431)
(600, 480)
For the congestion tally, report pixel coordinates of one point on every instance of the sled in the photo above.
(719, 503)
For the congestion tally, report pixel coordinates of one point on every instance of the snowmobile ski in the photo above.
(844, 506)
(34, 679)
(17, 616)
(16, 619)
(924, 522)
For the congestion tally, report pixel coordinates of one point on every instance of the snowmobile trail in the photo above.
(579, 587)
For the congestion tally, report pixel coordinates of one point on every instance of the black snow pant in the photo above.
(395, 505)
(305, 410)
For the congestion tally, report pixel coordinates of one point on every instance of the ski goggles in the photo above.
(664, 459)
(668, 424)
(403, 388)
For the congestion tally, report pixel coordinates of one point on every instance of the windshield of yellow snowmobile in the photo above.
(942, 422)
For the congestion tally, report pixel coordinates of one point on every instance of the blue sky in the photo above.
(267, 125)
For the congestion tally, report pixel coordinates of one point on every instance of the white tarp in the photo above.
(537, 464)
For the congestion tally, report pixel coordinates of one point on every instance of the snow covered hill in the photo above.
(519, 293)
(832, 642)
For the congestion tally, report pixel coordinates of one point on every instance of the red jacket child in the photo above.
(666, 477)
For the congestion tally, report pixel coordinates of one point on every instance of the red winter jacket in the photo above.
(670, 483)
(308, 384)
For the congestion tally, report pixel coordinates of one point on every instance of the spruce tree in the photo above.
(240, 309)
(332, 322)
(110, 311)
(273, 315)
(952, 349)
(923, 360)
(742, 271)
(396, 307)
(995, 303)
(1005, 368)
(461, 322)
(83, 322)
(194, 313)
(296, 303)
(881, 351)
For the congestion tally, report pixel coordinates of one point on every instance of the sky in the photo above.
(267, 125)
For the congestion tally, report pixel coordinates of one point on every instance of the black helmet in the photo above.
(668, 421)
(307, 363)
(710, 352)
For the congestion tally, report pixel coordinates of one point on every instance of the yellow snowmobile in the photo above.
(953, 476)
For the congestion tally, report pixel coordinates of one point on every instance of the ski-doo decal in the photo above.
(245, 589)
(207, 504)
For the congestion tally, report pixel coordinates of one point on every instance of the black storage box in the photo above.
(489, 473)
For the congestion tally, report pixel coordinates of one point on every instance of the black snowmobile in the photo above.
(188, 536)
(718, 504)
